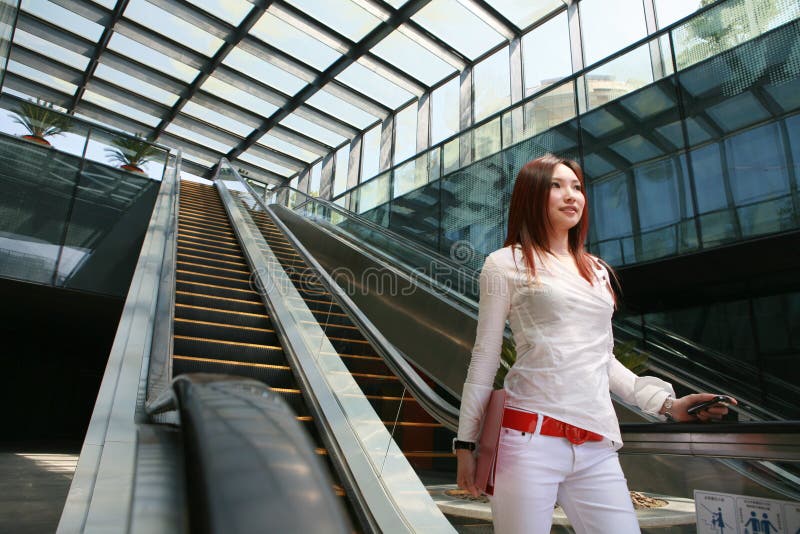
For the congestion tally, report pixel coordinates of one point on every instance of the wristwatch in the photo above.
(668, 408)
(458, 444)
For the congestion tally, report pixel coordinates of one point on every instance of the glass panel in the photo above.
(152, 58)
(373, 85)
(373, 193)
(523, 14)
(370, 153)
(598, 41)
(413, 58)
(52, 51)
(265, 164)
(312, 130)
(547, 110)
(288, 148)
(120, 108)
(546, 57)
(757, 164)
(231, 11)
(264, 71)
(340, 170)
(164, 22)
(492, 84)
(217, 119)
(339, 108)
(344, 16)
(238, 96)
(619, 77)
(297, 44)
(8, 18)
(709, 179)
(198, 138)
(458, 27)
(444, 111)
(63, 18)
(669, 11)
(487, 139)
(405, 134)
(611, 214)
(45, 79)
(316, 178)
(135, 84)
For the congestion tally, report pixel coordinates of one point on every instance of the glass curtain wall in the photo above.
(8, 17)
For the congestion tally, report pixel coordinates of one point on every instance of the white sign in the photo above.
(724, 513)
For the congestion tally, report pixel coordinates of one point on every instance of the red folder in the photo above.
(488, 442)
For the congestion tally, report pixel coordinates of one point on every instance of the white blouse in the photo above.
(565, 366)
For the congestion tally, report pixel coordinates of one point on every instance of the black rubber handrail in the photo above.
(250, 465)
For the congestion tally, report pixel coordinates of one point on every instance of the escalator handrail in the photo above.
(239, 433)
(432, 402)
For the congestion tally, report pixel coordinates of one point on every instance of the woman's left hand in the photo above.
(714, 412)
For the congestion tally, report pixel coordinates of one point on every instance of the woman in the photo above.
(558, 300)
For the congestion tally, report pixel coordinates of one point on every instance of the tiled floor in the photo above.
(33, 488)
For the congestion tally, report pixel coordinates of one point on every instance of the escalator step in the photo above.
(228, 281)
(213, 239)
(202, 229)
(196, 265)
(355, 347)
(233, 351)
(210, 301)
(216, 244)
(218, 291)
(210, 253)
(272, 376)
(225, 332)
(200, 313)
(222, 264)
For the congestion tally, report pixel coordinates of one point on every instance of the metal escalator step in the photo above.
(350, 346)
(196, 265)
(206, 215)
(272, 376)
(210, 253)
(368, 364)
(200, 234)
(231, 351)
(206, 222)
(216, 244)
(324, 318)
(227, 281)
(202, 229)
(205, 313)
(224, 264)
(218, 290)
(225, 332)
(211, 301)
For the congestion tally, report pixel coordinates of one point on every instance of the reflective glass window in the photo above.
(340, 170)
(611, 208)
(405, 133)
(200, 139)
(339, 108)
(177, 29)
(374, 85)
(280, 145)
(546, 56)
(63, 18)
(669, 11)
(412, 58)
(757, 164)
(315, 180)
(523, 14)
(231, 11)
(238, 96)
(491, 80)
(120, 108)
(370, 153)
(444, 111)
(286, 37)
(662, 193)
(53, 51)
(609, 25)
(265, 164)
(144, 54)
(312, 130)
(41, 77)
(344, 16)
(264, 71)
(127, 81)
(218, 119)
(708, 178)
(457, 26)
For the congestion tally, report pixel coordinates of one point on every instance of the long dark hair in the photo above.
(528, 218)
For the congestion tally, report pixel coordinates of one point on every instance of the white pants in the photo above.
(534, 472)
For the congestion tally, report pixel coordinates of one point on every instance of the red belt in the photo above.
(526, 422)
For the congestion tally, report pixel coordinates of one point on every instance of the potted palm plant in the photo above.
(41, 121)
(132, 152)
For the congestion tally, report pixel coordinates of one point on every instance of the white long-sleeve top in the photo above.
(565, 366)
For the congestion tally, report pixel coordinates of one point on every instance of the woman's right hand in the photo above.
(466, 471)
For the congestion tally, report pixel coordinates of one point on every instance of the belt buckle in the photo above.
(575, 434)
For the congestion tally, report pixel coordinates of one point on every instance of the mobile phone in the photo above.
(719, 399)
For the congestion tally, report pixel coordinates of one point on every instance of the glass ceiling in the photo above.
(271, 88)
